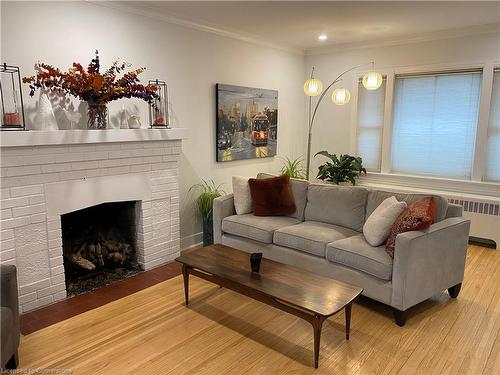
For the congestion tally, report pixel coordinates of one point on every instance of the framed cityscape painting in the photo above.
(247, 122)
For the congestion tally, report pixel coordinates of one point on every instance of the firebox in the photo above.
(99, 245)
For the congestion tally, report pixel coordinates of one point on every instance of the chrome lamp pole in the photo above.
(340, 96)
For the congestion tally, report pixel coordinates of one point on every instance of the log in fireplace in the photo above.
(99, 245)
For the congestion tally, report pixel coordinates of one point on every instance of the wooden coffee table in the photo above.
(311, 297)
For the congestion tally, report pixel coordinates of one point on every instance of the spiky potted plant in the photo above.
(209, 190)
(340, 169)
(293, 168)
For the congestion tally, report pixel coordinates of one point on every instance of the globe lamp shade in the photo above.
(372, 80)
(313, 87)
(341, 96)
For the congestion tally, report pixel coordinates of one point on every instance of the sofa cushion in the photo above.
(417, 216)
(355, 252)
(378, 225)
(272, 196)
(375, 197)
(299, 191)
(338, 205)
(311, 236)
(259, 228)
(242, 196)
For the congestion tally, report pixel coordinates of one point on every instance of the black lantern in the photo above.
(158, 111)
(11, 97)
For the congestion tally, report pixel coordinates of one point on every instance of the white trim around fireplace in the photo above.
(67, 137)
(41, 181)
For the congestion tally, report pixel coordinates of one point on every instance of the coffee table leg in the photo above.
(347, 320)
(317, 323)
(185, 276)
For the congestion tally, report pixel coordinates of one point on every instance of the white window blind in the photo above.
(434, 123)
(493, 146)
(370, 124)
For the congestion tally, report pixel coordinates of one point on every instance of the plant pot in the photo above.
(208, 230)
(98, 114)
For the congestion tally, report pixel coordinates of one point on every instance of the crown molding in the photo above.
(196, 25)
(491, 28)
(320, 50)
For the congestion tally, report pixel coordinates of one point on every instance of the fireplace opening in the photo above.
(99, 245)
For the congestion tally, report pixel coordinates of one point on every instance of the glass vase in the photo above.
(98, 116)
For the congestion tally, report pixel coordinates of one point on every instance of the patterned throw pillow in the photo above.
(419, 215)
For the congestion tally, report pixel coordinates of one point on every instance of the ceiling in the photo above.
(297, 24)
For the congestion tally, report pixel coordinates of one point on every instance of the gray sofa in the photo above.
(324, 236)
(9, 316)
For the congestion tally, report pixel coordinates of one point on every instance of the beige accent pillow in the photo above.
(242, 197)
(378, 225)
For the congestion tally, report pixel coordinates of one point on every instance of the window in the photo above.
(434, 123)
(493, 145)
(370, 123)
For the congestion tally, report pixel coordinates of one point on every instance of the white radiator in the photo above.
(484, 216)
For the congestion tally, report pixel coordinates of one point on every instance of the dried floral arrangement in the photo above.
(93, 87)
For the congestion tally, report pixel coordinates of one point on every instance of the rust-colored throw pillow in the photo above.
(419, 215)
(272, 196)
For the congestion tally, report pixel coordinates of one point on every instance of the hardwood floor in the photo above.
(152, 332)
(69, 307)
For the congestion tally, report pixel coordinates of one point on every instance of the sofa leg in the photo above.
(13, 362)
(454, 290)
(399, 317)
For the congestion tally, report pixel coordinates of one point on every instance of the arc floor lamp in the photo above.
(340, 96)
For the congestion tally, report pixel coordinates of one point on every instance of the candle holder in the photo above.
(11, 98)
(158, 110)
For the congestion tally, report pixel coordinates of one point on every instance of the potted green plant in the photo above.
(204, 204)
(293, 168)
(340, 169)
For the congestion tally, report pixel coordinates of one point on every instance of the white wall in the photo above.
(333, 125)
(190, 61)
(193, 61)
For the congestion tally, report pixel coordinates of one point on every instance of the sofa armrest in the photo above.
(223, 207)
(454, 210)
(9, 297)
(427, 262)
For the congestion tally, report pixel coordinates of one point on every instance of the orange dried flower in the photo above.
(97, 82)
(91, 86)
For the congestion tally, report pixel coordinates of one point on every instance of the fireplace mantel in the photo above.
(62, 137)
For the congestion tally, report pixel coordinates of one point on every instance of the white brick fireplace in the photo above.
(47, 174)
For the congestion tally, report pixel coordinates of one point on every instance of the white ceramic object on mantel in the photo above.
(72, 116)
(123, 118)
(45, 118)
(134, 122)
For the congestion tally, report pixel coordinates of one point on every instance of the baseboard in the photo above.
(192, 240)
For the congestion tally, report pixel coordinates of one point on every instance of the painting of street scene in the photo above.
(247, 122)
